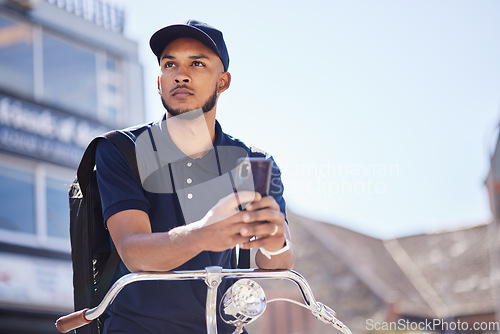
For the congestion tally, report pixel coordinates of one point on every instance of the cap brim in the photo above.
(162, 37)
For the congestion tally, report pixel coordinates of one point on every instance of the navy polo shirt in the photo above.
(174, 189)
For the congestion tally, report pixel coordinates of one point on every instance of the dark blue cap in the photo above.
(200, 31)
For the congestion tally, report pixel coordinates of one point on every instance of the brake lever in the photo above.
(328, 316)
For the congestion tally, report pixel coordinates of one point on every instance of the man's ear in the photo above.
(159, 86)
(224, 82)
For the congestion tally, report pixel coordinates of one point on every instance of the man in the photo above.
(183, 213)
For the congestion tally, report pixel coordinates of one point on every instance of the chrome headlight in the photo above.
(242, 303)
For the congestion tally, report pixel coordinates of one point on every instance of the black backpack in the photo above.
(95, 260)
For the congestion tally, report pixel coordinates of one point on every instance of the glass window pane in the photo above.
(110, 94)
(69, 74)
(17, 202)
(111, 65)
(16, 56)
(57, 207)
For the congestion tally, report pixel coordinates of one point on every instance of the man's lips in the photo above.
(181, 92)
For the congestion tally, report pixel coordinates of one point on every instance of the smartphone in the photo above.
(254, 174)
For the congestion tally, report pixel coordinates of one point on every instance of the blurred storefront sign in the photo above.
(44, 134)
(30, 282)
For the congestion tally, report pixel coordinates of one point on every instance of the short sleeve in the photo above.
(276, 188)
(119, 189)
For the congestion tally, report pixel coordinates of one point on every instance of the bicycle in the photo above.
(242, 303)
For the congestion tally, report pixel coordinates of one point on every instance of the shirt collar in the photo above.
(172, 154)
(219, 134)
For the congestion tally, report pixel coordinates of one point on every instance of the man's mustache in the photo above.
(180, 87)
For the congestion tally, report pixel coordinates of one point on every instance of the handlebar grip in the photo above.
(72, 321)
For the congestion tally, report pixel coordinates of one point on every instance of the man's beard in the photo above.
(184, 113)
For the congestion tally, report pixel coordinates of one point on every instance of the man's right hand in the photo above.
(220, 228)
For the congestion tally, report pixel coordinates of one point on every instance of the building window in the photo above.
(69, 76)
(56, 190)
(16, 56)
(47, 67)
(17, 201)
(110, 92)
(34, 207)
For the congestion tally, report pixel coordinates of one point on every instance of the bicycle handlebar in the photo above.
(212, 277)
(72, 321)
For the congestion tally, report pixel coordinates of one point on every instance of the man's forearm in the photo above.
(142, 250)
(159, 251)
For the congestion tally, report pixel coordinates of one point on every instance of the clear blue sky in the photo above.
(381, 114)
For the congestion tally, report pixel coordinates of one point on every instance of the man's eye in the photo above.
(169, 64)
(197, 63)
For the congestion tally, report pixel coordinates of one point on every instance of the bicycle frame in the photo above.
(213, 277)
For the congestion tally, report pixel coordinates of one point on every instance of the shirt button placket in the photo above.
(189, 180)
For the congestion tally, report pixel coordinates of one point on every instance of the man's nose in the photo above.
(182, 76)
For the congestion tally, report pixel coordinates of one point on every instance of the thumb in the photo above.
(246, 197)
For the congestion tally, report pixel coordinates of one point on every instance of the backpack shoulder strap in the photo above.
(124, 143)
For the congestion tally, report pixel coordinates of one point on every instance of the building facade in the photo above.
(431, 283)
(67, 73)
